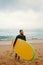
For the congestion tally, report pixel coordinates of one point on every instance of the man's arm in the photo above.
(15, 41)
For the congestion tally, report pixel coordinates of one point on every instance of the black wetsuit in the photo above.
(20, 37)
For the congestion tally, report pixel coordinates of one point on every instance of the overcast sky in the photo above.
(26, 14)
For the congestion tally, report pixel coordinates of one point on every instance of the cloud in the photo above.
(12, 5)
(21, 19)
(21, 14)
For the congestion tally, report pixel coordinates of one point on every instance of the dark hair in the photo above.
(20, 30)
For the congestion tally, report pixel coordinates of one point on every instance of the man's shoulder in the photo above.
(24, 35)
(17, 35)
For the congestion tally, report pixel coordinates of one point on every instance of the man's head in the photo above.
(21, 32)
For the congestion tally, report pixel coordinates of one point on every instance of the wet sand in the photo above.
(7, 55)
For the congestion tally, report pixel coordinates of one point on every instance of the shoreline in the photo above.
(32, 40)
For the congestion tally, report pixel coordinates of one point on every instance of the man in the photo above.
(20, 36)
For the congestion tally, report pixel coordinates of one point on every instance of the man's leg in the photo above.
(18, 58)
(15, 56)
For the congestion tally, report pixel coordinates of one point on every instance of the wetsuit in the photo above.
(20, 37)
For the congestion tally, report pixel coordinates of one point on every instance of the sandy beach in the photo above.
(7, 54)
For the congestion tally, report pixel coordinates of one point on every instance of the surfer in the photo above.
(20, 36)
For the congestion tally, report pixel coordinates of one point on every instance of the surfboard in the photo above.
(24, 50)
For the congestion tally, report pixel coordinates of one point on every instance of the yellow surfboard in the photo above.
(24, 49)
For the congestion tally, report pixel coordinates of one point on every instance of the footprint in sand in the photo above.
(37, 63)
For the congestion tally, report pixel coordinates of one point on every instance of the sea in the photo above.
(12, 33)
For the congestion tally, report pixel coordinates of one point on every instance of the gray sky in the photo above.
(21, 14)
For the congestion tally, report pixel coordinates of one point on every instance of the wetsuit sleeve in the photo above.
(15, 41)
(25, 38)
